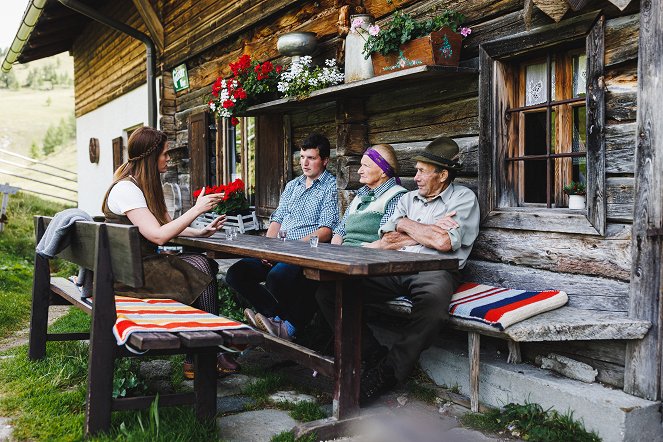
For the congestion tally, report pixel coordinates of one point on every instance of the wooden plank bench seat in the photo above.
(112, 252)
(562, 324)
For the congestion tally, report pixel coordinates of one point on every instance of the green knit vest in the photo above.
(361, 226)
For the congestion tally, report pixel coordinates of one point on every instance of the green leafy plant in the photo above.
(575, 188)
(532, 423)
(125, 379)
(403, 28)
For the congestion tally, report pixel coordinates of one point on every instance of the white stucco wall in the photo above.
(105, 123)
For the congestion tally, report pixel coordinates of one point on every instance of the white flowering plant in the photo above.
(302, 78)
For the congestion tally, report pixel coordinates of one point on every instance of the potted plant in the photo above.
(251, 83)
(576, 191)
(302, 77)
(405, 42)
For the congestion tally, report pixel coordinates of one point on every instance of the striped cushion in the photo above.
(154, 315)
(502, 307)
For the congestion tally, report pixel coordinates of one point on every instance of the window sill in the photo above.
(561, 220)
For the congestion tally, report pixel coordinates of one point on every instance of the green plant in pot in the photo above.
(405, 42)
(576, 190)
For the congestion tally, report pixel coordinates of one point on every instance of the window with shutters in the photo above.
(541, 120)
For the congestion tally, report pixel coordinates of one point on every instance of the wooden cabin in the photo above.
(604, 57)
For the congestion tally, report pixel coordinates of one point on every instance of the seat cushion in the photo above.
(502, 307)
(165, 315)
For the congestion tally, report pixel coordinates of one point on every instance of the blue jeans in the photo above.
(286, 293)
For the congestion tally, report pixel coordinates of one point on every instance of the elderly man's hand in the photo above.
(447, 222)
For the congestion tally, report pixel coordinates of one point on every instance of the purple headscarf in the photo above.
(382, 164)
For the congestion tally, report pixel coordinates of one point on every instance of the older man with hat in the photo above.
(440, 217)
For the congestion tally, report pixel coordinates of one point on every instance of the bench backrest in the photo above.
(88, 239)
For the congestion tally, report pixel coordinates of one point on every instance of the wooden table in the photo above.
(327, 263)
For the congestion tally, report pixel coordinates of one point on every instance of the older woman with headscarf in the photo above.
(375, 202)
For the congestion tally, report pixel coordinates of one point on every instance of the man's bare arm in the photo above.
(392, 241)
(428, 235)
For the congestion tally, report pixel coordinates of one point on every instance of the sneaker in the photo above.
(273, 327)
(250, 317)
(375, 382)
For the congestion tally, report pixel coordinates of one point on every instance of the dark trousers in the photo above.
(287, 293)
(430, 293)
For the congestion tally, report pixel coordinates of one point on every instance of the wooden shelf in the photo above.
(361, 88)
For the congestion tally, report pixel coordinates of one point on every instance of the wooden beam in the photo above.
(642, 375)
(152, 22)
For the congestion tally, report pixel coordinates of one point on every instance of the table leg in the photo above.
(347, 350)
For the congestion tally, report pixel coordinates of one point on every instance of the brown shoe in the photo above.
(226, 364)
(273, 327)
(188, 370)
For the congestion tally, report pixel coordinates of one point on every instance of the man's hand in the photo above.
(393, 241)
(447, 222)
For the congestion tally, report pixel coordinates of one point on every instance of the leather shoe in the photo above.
(273, 327)
(250, 317)
(226, 364)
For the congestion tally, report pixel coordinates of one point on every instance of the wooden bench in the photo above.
(562, 324)
(112, 252)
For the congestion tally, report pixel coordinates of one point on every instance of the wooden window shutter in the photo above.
(270, 163)
(198, 167)
(118, 145)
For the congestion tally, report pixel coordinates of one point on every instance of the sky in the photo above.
(10, 19)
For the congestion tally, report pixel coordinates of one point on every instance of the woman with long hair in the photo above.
(136, 197)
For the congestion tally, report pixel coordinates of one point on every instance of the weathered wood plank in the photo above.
(586, 292)
(621, 39)
(609, 257)
(620, 148)
(469, 156)
(643, 359)
(622, 93)
(596, 202)
(620, 198)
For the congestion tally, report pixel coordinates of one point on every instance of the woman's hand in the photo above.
(213, 227)
(205, 203)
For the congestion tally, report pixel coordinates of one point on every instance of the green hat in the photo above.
(443, 152)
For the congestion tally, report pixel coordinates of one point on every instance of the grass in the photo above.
(17, 248)
(532, 423)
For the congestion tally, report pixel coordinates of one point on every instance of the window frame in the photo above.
(499, 207)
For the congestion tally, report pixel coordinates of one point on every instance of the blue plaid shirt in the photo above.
(302, 211)
(389, 210)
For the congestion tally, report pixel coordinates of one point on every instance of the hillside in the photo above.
(37, 120)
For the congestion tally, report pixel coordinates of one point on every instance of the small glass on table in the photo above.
(313, 241)
(283, 234)
(231, 232)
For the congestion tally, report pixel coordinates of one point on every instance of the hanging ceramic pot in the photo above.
(357, 67)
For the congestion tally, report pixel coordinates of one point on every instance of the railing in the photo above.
(60, 174)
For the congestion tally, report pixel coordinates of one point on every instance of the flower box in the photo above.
(438, 48)
(242, 222)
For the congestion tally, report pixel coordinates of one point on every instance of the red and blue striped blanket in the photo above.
(152, 315)
(502, 307)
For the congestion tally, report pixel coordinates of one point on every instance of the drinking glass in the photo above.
(229, 233)
(283, 233)
(313, 241)
(235, 231)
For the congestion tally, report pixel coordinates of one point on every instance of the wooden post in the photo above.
(642, 376)
(40, 301)
(347, 353)
(473, 345)
(5, 190)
